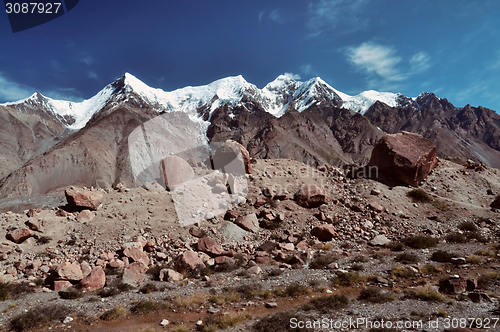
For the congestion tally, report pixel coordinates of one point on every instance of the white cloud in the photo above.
(93, 75)
(306, 69)
(420, 62)
(330, 14)
(13, 91)
(376, 60)
(69, 94)
(88, 60)
(292, 76)
(274, 16)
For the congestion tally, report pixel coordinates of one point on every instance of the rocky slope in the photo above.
(309, 122)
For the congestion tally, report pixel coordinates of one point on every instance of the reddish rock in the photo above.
(95, 280)
(60, 285)
(210, 247)
(116, 264)
(496, 203)
(263, 260)
(83, 199)
(85, 216)
(189, 260)
(61, 213)
(34, 224)
(196, 232)
(230, 151)
(376, 207)
(33, 213)
(249, 222)
(220, 260)
(405, 156)
(458, 286)
(70, 271)
(18, 235)
(175, 171)
(170, 275)
(137, 255)
(133, 274)
(324, 232)
(259, 202)
(311, 196)
(86, 269)
(231, 214)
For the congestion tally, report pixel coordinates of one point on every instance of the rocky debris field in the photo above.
(305, 243)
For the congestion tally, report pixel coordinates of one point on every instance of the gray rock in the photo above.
(379, 240)
(232, 232)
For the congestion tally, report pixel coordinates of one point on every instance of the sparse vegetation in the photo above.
(280, 322)
(430, 269)
(407, 258)
(115, 313)
(419, 196)
(322, 261)
(425, 293)
(468, 226)
(348, 279)
(43, 240)
(400, 271)
(148, 288)
(420, 242)
(38, 317)
(326, 304)
(144, 307)
(443, 256)
(13, 290)
(374, 295)
(395, 246)
(487, 280)
(71, 294)
(214, 323)
(456, 238)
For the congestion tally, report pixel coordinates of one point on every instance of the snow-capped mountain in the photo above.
(277, 97)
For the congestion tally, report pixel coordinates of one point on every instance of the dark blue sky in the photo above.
(449, 47)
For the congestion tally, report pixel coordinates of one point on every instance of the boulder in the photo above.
(458, 286)
(70, 271)
(311, 196)
(137, 255)
(190, 261)
(324, 232)
(249, 222)
(34, 224)
(232, 232)
(18, 235)
(61, 285)
(85, 216)
(406, 157)
(33, 213)
(83, 199)
(379, 240)
(496, 203)
(134, 274)
(175, 171)
(170, 275)
(211, 247)
(95, 280)
(234, 153)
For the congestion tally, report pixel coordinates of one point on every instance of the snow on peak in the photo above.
(362, 102)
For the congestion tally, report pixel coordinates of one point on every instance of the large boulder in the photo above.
(95, 280)
(136, 254)
(311, 196)
(235, 154)
(405, 156)
(83, 199)
(175, 171)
